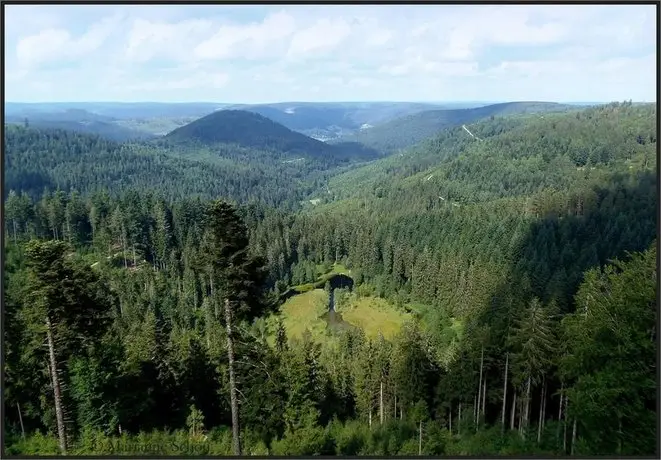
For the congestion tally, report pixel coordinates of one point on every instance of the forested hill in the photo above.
(407, 131)
(503, 295)
(251, 130)
(77, 120)
(567, 183)
(45, 159)
(304, 117)
(513, 156)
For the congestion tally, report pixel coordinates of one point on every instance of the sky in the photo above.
(258, 53)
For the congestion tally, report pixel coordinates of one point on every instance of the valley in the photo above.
(440, 283)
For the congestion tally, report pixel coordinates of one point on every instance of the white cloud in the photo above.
(324, 35)
(55, 45)
(248, 41)
(148, 40)
(467, 31)
(379, 38)
(231, 53)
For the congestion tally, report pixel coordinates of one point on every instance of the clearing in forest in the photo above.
(374, 315)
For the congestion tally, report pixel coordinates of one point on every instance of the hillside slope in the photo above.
(407, 131)
(539, 200)
(38, 159)
(328, 120)
(593, 137)
(254, 131)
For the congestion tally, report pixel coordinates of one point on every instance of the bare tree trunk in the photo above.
(381, 403)
(526, 411)
(475, 409)
(20, 419)
(544, 404)
(59, 407)
(484, 397)
(126, 264)
(479, 387)
(564, 428)
(573, 438)
(420, 439)
(234, 403)
(369, 420)
(541, 417)
(562, 388)
(513, 412)
(502, 421)
(459, 421)
(395, 417)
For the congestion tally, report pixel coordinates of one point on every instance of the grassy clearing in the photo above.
(307, 312)
(304, 311)
(375, 315)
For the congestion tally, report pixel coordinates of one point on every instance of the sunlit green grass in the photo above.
(375, 316)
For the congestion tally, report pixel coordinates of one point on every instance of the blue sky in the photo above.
(329, 53)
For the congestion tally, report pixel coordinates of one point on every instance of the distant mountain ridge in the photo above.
(78, 120)
(117, 110)
(410, 130)
(332, 120)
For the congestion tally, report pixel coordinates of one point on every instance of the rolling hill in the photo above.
(409, 130)
(254, 131)
(238, 155)
(327, 121)
(77, 120)
(596, 137)
(38, 159)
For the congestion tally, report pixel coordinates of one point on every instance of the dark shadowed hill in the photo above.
(254, 131)
(406, 131)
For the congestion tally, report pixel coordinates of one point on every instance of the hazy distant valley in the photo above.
(124, 121)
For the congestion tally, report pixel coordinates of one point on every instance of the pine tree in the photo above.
(533, 341)
(68, 305)
(611, 354)
(235, 279)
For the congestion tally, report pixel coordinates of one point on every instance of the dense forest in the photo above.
(38, 160)
(144, 315)
(403, 132)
